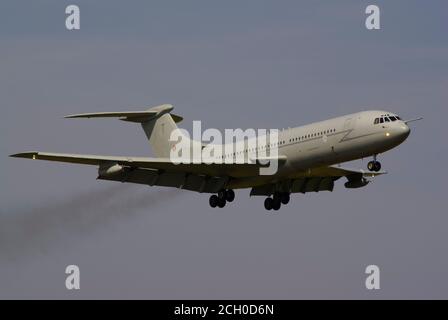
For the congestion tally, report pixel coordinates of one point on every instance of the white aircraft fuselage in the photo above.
(333, 141)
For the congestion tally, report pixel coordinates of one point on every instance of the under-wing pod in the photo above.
(108, 170)
(356, 183)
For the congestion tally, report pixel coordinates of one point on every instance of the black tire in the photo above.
(268, 203)
(276, 204)
(222, 194)
(371, 166)
(285, 198)
(377, 166)
(213, 201)
(230, 195)
(221, 203)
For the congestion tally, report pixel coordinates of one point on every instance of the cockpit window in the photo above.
(385, 118)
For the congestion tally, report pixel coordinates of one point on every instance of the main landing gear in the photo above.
(276, 201)
(374, 165)
(221, 198)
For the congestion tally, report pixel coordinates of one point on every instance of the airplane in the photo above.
(309, 157)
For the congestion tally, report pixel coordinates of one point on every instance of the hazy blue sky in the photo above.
(232, 64)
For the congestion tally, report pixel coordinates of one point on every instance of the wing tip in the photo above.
(73, 116)
(25, 155)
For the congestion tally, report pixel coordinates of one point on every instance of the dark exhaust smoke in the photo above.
(43, 228)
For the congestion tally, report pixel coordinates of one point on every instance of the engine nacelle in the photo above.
(358, 183)
(109, 170)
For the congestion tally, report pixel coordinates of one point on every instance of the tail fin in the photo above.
(158, 130)
(157, 122)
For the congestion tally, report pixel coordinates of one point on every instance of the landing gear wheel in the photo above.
(221, 203)
(276, 204)
(230, 195)
(268, 203)
(377, 166)
(222, 194)
(285, 198)
(374, 166)
(213, 201)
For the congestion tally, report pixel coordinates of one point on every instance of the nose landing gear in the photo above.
(374, 165)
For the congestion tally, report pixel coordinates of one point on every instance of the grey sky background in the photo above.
(231, 64)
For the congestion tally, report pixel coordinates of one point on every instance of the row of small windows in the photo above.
(312, 135)
(304, 137)
(253, 149)
(386, 119)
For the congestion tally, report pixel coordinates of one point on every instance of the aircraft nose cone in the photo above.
(406, 129)
(403, 131)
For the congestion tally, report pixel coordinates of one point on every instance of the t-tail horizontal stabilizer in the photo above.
(131, 116)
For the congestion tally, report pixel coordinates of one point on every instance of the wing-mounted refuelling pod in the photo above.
(361, 179)
(358, 182)
(109, 170)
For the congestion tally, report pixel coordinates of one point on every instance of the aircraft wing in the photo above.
(338, 171)
(199, 177)
(162, 164)
(265, 159)
(318, 179)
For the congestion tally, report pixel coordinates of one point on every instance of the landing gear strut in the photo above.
(374, 165)
(221, 198)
